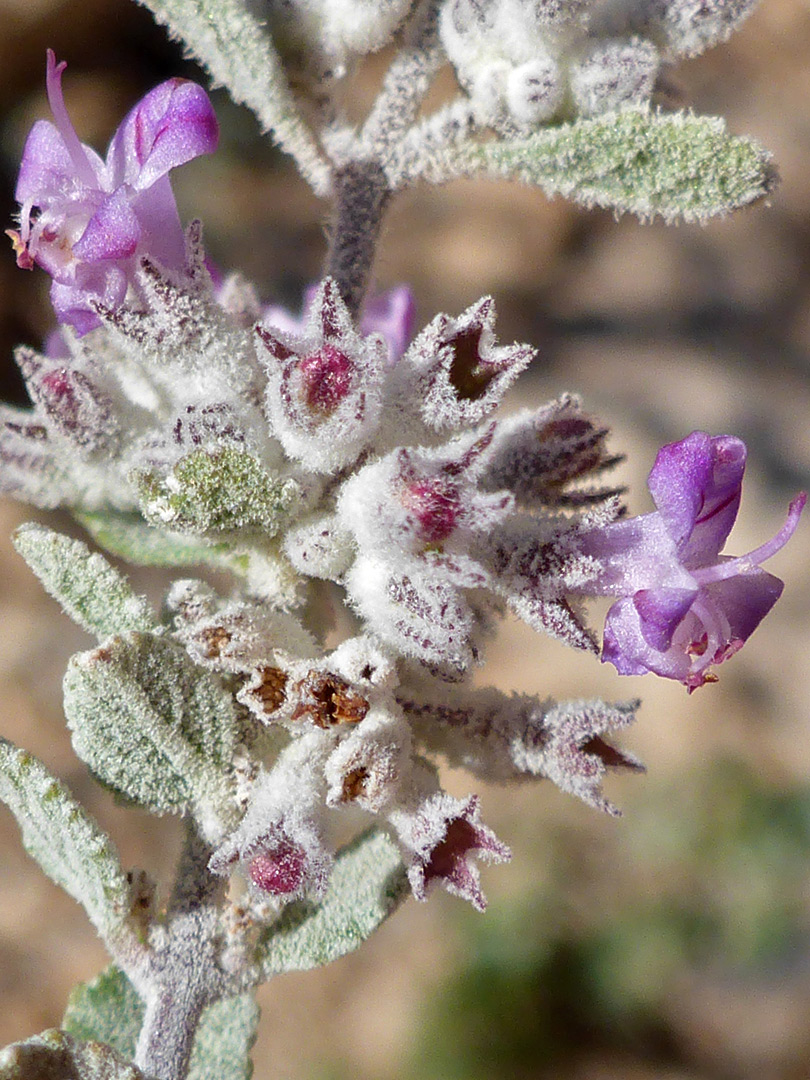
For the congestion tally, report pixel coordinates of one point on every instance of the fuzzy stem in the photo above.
(195, 886)
(169, 1026)
(185, 976)
(361, 195)
(361, 188)
(406, 83)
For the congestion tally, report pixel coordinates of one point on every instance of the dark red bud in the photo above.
(436, 507)
(279, 870)
(328, 377)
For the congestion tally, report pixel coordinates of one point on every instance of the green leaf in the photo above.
(229, 38)
(65, 840)
(133, 539)
(677, 165)
(55, 1055)
(224, 1039)
(153, 726)
(92, 592)
(216, 491)
(108, 1009)
(367, 885)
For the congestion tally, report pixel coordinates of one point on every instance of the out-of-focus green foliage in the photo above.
(725, 862)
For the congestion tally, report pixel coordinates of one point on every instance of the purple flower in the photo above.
(684, 607)
(96, 218)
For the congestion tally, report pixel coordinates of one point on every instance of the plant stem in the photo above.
(406, 83)
(185, 976)
(361, 188)
(169, 1026)
(361, 195)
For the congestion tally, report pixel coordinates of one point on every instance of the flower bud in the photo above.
(614, 74)
(323, 387)
(689, 27)
(74, 405)
(534, 91)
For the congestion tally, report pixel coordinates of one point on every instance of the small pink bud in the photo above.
(76, 407)
(327, 378)
(279, 870)
(436, 507)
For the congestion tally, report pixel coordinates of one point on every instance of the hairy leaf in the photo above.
(224, 1038)
(367, 885)
(109, 1010)
(229, 38)
(152, 725)
(133, 539)
(214, 492)
(677, 165)
(92, 592)
(65, 840)
(106, 1009)
(55, 1055)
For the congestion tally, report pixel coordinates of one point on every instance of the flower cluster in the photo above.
(322, 37)
(525, 62)
(325, 456)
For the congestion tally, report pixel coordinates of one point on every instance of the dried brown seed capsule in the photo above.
(214, 639)
(327, 700)
(354, 784)
(269, 689)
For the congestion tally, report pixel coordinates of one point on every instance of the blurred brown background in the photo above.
(674, 943)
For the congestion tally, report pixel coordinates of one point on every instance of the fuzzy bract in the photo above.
(324, 386)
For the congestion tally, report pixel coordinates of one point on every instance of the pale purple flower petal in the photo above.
(625, 647)
(96, 220)
(660, 611)
(173, 124)
(393, 315)
(696, 486)
(684, 607)
(745, 600)
(46, 165)
(161, 232)
(113, 231)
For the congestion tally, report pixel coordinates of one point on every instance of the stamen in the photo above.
(63, 123)
(746, 564)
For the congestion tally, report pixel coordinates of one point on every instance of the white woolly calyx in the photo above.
(528, 62)
(324, 388)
